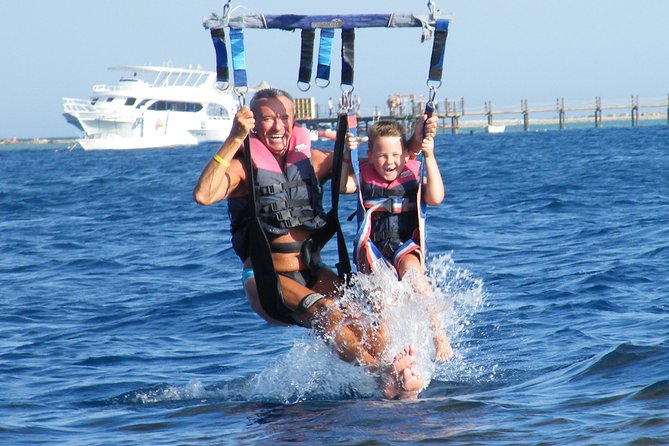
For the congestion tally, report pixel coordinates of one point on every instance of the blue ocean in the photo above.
(124, 321)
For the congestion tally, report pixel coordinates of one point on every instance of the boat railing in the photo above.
(102, 88)
(77, 105)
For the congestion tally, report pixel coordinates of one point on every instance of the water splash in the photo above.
(312, 371)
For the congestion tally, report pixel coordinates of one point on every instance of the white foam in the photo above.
(310, 368)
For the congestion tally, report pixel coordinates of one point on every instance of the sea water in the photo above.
(124, 321)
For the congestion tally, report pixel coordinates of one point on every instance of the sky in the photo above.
(501, 51)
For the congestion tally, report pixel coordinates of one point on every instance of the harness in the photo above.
(278, 215)
(389, 226)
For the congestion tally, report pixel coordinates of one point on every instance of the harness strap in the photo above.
(306, 248)
(269, 288)
(324, 56)
(408, 247)
(392, 205)
(306, 59)
(286, 247)
(365, 249)
(277, 188)
(238, 57)
(291, 219)
(222, 70)
(438, 48)
(385, 235)
(283, 205)
(347, 55)
(344, 264)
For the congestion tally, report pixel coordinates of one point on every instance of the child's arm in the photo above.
(347, 184)
(424, 128)
(434, 185)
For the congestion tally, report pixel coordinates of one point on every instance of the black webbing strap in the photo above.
(438, 47)
(222, 70)
(347, 56)
(267, 281)
(306, 58)
(344, 265)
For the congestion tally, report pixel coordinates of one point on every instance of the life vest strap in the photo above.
(290, 219)
(384, 235)
(282, 205)
(392, 205)
(278, 188)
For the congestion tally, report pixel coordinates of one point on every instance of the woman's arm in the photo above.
(223, 174)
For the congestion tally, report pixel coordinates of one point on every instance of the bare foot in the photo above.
(404, 386)
(393, 384)
(443, 348)
(411, 385)
(404, 359)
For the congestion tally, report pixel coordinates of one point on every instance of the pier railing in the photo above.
(454, 115)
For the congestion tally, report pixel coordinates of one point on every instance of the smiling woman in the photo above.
(275, 120)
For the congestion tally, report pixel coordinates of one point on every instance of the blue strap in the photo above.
(352, 122)
(222, 70)
(238, 57)
(360, 238)
(324, 56)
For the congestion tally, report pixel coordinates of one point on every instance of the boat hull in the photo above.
(156, 107)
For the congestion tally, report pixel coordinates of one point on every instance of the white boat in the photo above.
(490, 128)
(153, 106)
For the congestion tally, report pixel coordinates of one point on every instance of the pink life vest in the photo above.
(391, 216)
(287, 196)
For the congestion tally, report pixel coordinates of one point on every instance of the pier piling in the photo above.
(451, 112)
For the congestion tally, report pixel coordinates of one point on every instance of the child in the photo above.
(389, 184)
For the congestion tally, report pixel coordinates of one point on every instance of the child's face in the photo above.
(387, 156)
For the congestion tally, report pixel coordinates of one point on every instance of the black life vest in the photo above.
(286, 197)
(396, 221)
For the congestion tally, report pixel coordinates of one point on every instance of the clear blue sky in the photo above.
(498, 50)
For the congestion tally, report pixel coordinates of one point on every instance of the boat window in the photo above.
(189, 107)
(94, 100)
(217, 111)
(141, 104)
(130, 101)
(110, 99)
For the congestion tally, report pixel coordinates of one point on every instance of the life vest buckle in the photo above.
(396, 205)
(277, 206)
(272, 189)
(284, 215)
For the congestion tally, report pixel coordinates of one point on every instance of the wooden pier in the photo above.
(454, 116)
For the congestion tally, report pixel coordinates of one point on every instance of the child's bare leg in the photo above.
(421, 286)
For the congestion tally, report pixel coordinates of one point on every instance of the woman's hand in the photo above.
(243, 123)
